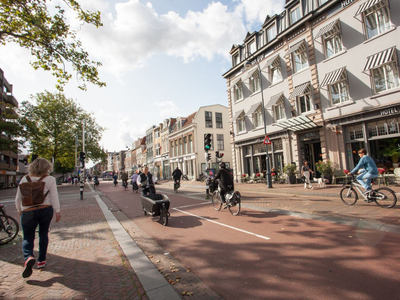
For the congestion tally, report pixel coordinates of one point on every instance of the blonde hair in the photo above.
(40, 167)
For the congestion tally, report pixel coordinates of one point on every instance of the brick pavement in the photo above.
(84, 258)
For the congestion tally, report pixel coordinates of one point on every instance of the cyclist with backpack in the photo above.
(36, 201)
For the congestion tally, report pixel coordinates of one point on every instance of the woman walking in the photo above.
(37, 214)
(305, 173)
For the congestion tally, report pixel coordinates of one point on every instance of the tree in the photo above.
(53, 128)
(50, 39)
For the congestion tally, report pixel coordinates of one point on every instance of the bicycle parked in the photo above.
(384, 196)
(9, 227)
(232, 201)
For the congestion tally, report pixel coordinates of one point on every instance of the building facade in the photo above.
(320, 80)
(8, 158)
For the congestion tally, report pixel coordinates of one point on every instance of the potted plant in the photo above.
(245, 177)
(326, 169)
(393, 150)
(290, 170)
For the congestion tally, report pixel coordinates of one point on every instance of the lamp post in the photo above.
(247, 66)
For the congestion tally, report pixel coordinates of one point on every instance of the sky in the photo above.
(160, 59)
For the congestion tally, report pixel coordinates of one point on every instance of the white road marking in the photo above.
(221, 224)
(190, 205)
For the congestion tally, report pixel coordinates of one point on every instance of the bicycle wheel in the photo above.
(164, 215)
(385, 197)
(216, 200)
(348, 195)
(9, 229)
(234, 206)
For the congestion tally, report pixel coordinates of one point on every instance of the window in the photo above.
(254, 81)
(218, 120)
(339, 92)
(271, 33)
(386, 77)
(180, 147)
(238, 91)
(279, 110)
(276, 73)
(377, 19)
(240, 123)
(220, 142)
(300, 60)
(304, 103)
(190, 149)
(184, 145)
(251, 47)
(209, 119)
(172, 149)
(258, 117)
(323, 1)
(235, 59)
(295, 15)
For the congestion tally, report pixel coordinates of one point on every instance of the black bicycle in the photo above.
(125, 184)
(177, 185)
(232, 201)
(9, 227)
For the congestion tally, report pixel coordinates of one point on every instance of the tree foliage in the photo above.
(53, 129)
(50, 39)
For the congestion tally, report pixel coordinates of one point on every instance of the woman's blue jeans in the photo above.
(29, 222)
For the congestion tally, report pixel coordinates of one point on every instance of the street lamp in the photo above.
(247, 66)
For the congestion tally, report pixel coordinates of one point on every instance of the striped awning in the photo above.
(237, 115)
(297, 123)
(366, 5)
(333, 76)
(300, 46)
(331, 27)
(380, 58)
(300, 90)
(235, 82)
(272, 61)
(274, 99)
(253, 108)
(251, 73)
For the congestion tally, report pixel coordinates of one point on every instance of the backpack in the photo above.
(33, 192)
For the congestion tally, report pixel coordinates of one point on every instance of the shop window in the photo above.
(278, 145)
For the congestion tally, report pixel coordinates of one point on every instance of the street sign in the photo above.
(267, 141)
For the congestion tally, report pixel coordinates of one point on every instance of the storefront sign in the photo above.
(390, 111)
(347, 2)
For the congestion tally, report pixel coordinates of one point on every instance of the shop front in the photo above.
(310, 148)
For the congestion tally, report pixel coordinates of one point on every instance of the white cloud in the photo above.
(129, 130)
(256, 11)
(167, 109)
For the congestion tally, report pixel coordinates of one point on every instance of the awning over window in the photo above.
(253, 108)
(331, 27)
(365, 6)
(251, 73)
(300, 46)
(237, 115)
(380, 58)
(235, 82)
(274, 99)
(333, 76)
(272, 61)
(301, 90)
(297, 123)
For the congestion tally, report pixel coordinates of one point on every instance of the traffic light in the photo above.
(217, 154)
(82, 156)
(208, 157)
(207, 141)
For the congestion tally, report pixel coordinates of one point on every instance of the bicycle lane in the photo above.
(302, 259)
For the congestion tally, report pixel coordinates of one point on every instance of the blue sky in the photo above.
(161, 59)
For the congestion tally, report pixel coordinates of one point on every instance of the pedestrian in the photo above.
(370, 170)
(305, 173)
(40, 215)
(76, 180)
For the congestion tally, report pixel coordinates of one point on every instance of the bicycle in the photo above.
(177, 185)
(9, 227)
(384, 196)
(135, 187)
(125, 184)
(232, 201)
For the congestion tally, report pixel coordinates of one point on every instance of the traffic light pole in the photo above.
(82, 159)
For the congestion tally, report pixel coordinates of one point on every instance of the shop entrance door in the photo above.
(312, 153)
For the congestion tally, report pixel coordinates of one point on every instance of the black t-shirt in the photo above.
(177, 174)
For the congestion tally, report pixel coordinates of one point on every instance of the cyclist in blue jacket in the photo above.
(370, 170)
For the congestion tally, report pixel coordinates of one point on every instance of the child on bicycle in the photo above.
(370, 170)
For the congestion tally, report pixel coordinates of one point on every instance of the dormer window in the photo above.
(252, 47)
(295, 14)
(235, 59)
(271, 33)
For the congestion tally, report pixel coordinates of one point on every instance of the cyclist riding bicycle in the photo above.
(124, 178)
(224, 181)
(177, 174)
(370, 170)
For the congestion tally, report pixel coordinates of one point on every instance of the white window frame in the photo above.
(240, 123)
(384, 69)
(271, 33)
(235, 59)
(254, 81)
(219, 123)
(275, 73)
(336, 38)
(238, 91)
(301, 98)
(258, 118)
(279, 111)
(220, 142)
(376, 12)
(252, 47)
(300, 60)
(342, 87)
(295, 14)
(208, 119)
